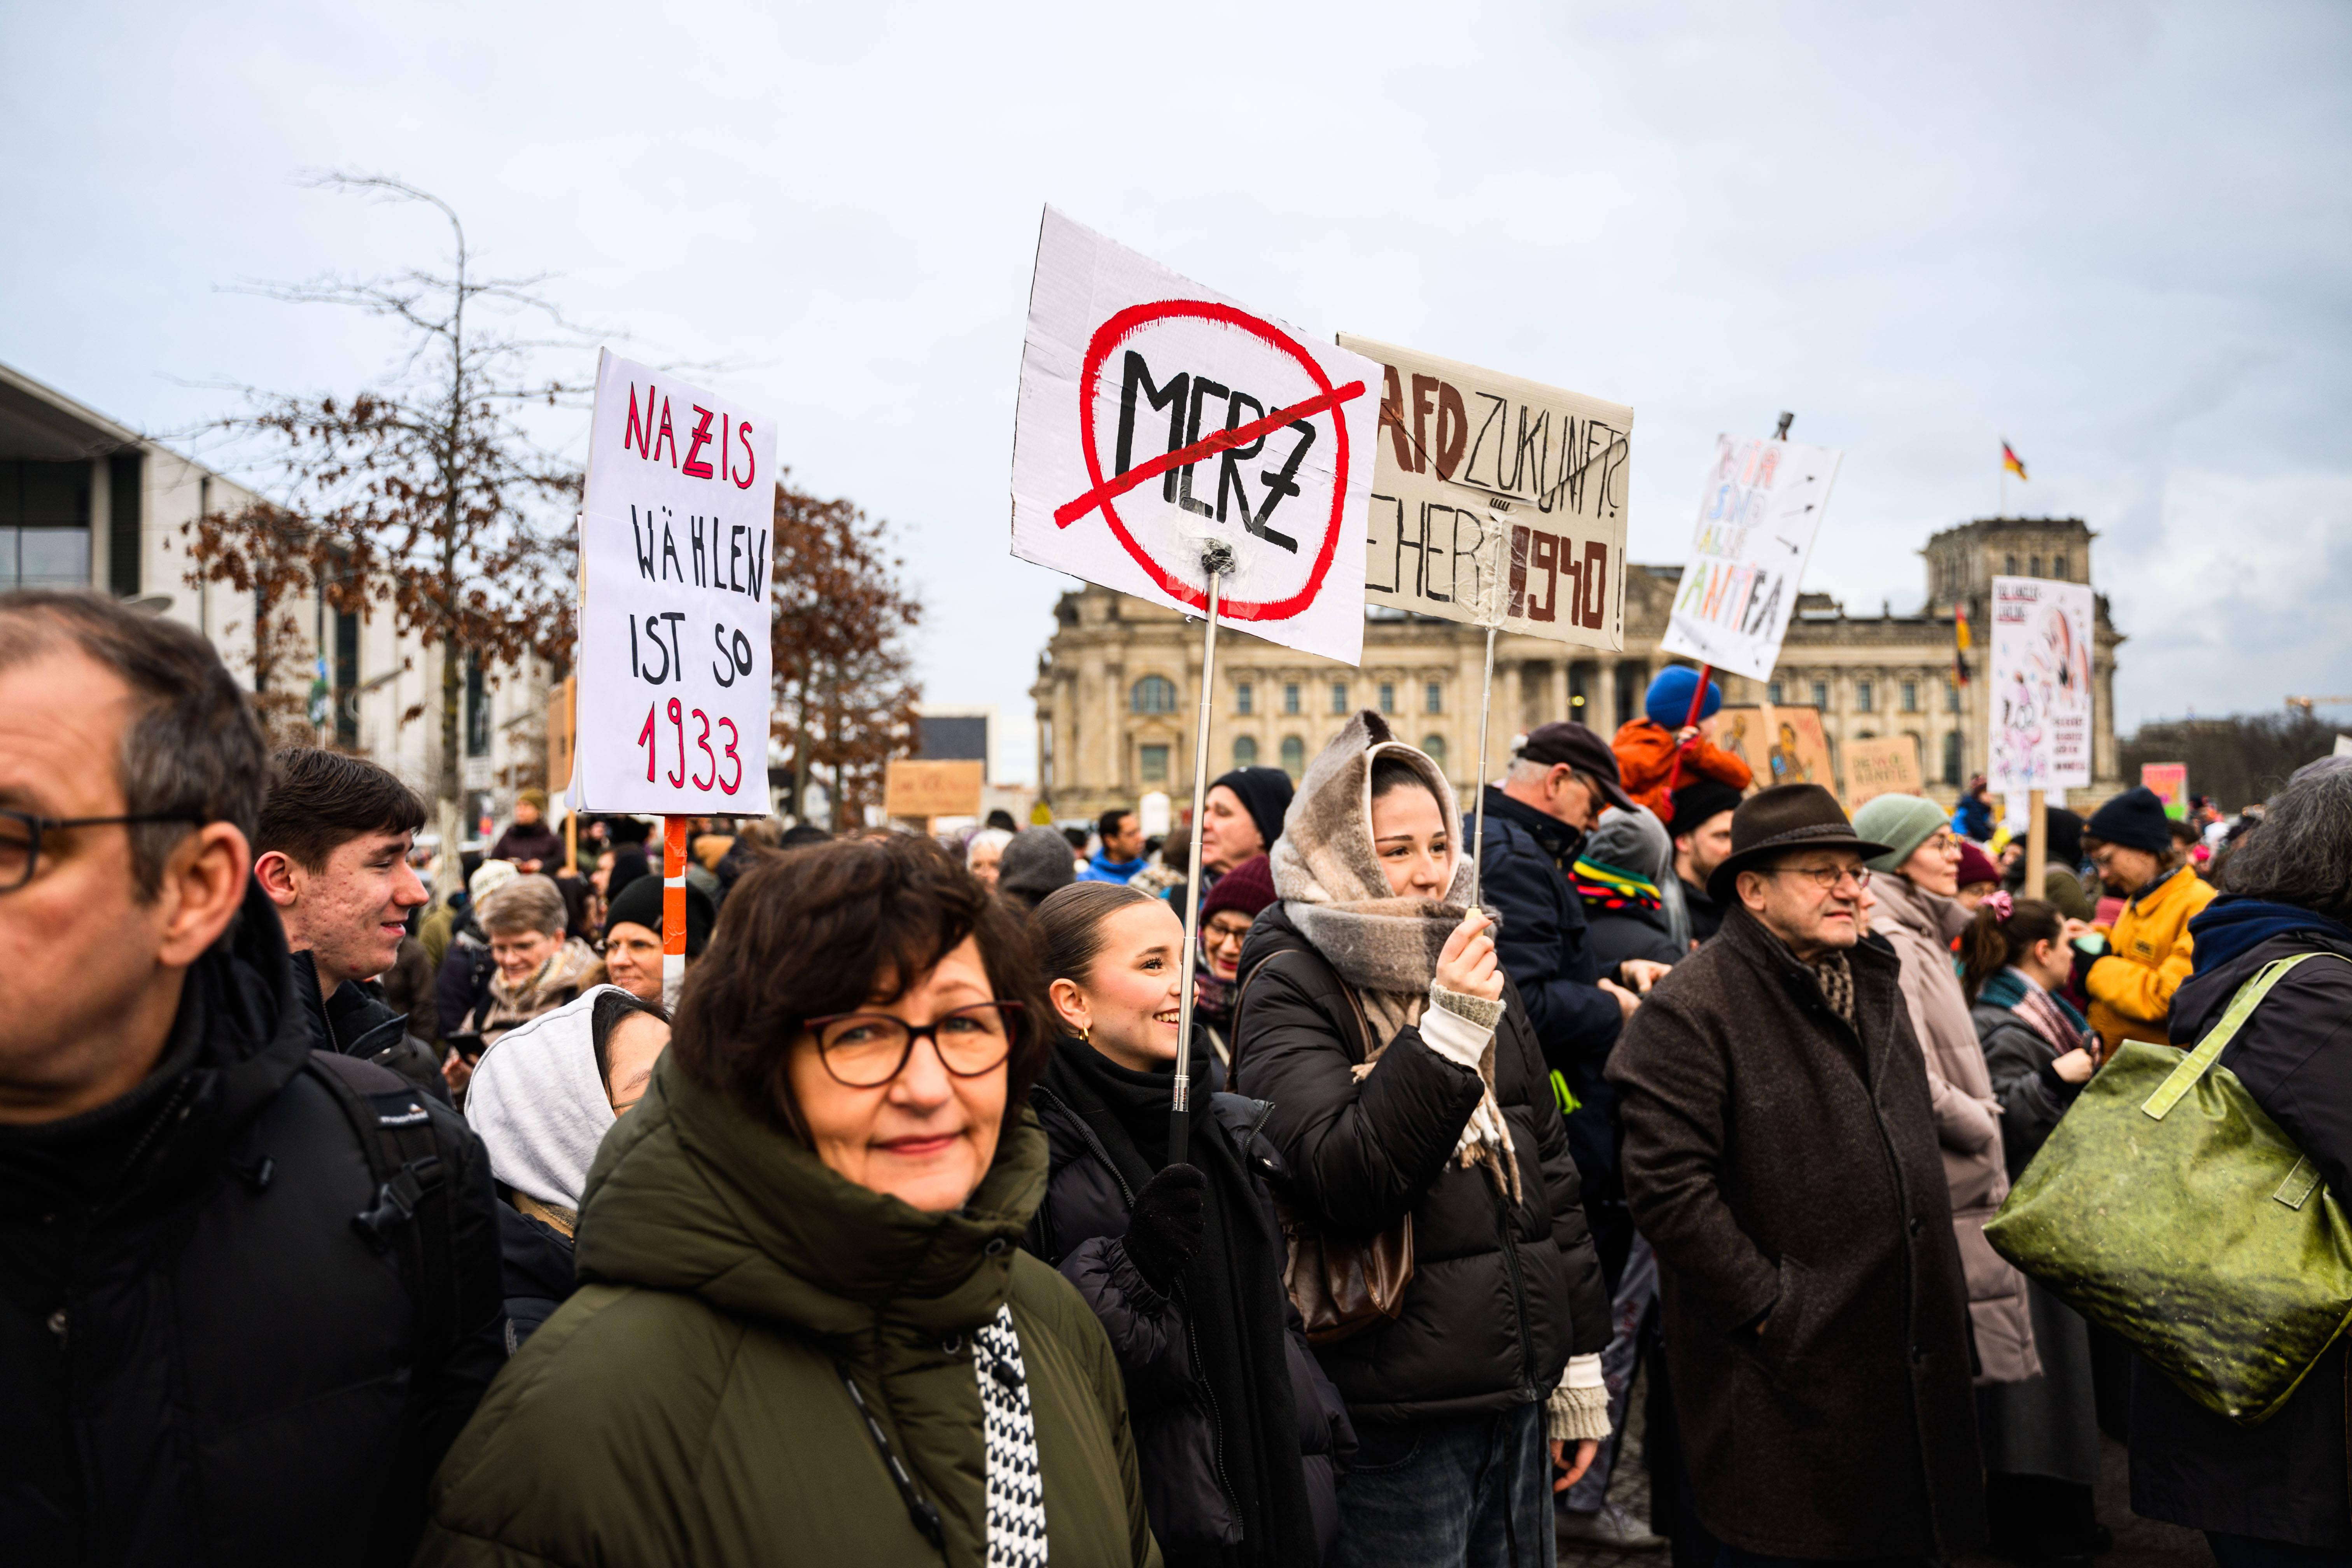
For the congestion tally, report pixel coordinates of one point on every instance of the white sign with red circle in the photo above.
(1157, 416)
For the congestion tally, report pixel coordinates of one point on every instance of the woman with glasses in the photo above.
(1227, 912)
(1920, 917)
(1238, 1431)
(804, 1330)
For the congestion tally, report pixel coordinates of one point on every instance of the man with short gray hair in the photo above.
(248, 1294)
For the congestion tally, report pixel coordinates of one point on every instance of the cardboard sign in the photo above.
(1496, 501)
(2169, 783)
(931, 789)
(1883, 764)
(1780, 745)
(2040, 684)
(674, 689)
(560, 738)
(1756, 525)
(1157, 416)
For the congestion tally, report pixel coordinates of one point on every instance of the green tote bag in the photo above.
(2167, 1207)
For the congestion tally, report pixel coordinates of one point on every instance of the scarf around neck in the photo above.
(2050, 1017)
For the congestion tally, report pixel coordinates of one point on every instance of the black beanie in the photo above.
(1264, 793)
(2064, 833)
(1694, 803)
(2133, 819)
(640, 903)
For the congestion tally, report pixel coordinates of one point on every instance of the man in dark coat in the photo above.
(229, 1331)
(1702, 829)
(1781, 1158)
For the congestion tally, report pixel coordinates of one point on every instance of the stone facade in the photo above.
(1118, 683)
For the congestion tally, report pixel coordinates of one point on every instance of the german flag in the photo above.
(2011, 461)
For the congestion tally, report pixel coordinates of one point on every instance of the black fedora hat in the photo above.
(1772, 821)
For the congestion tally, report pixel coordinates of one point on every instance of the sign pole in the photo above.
(1478, 782)
(1698, 706)
(1217, 560)
(2037, 843)
(673, 908)
(571, 843)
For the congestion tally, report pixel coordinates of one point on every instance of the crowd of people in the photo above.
(361, 1205)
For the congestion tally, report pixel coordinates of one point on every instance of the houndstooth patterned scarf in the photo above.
(1016, 1497)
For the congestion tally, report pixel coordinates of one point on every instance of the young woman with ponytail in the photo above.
(2040, 1437)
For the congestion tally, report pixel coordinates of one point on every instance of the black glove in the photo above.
(1166, 1228)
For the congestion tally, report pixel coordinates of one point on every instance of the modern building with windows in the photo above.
(1118, 682)
(88, 502)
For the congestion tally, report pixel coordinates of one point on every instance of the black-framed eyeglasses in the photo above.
(20, 838)
(866, 1051)
(1825, 878)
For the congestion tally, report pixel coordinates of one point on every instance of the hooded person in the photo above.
(1620, 875)
(1646, 747)
(1408, 1088)
(1915, 881)
(1036, 862)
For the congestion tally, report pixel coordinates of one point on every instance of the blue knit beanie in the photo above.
(1669, 701)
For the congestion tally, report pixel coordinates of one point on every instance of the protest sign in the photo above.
(1880, 765)
(931, 789)
(1780, 745)
(2169, 783)
(675, 543)
(1756, 524)
(1157, 417)
(1496, 501)
(2040, 685)
(560, 738)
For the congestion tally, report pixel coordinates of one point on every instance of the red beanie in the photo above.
(1248, 886)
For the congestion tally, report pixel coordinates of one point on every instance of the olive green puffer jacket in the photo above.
(686, 1406)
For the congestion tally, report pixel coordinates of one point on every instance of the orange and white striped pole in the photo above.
(673, 908)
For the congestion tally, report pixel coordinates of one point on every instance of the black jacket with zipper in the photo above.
(1501, 1293)
(1079, 1229)
(204, 1359)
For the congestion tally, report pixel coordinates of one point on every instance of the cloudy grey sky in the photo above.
(2115, 233)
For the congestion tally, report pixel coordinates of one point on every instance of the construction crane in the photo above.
(2305, 704)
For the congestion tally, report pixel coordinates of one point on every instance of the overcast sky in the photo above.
(2115, 235)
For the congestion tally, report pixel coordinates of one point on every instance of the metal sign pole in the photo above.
(1216, 560)
(1478, 782)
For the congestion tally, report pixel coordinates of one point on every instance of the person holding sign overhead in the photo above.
(1667, 748)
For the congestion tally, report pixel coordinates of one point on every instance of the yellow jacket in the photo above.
(2148, 957)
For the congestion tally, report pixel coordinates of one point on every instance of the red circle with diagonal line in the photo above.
(1106, 340)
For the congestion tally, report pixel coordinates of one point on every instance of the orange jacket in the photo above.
(2149, 955)
(1645, 761)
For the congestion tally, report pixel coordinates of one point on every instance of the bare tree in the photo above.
(844, 694)
(424, 494)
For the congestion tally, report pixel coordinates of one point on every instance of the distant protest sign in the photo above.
(2040, 685)
(1157, 416)
(2169, 781)
(674, 693)
(1780, 745)
(1881, 765)
(931, 789)
(1763, 505)
(1496, 501)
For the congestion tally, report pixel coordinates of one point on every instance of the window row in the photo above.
(1293, 753)
(1294, 697)
(1866, 695)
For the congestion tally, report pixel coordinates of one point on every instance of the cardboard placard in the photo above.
(1883, 764)
(931, 789)
(560, 734)
(1756, 526)
(2169, 783)
(1157, 416)
(1496, 501)
(1780, 744)
(674, 622)
(2040, 684)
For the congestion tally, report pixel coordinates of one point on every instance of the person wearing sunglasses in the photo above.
(805, 1331)
(1921, 916)
(1782, 1161)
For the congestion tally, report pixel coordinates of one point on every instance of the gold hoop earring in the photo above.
(1085, 1031)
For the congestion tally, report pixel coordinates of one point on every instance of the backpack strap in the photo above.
(2250, 996)
(414, 1207)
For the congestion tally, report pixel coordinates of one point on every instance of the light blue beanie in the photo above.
(1669, 701)
(1902, 822)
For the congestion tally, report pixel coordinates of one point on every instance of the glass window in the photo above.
(1388, 697)
(2033, 566)
(1152, 764)
(1338, 697)
(1152, 694)
(1435, 746)
(2009, 566)
(2058, 565)
(1951, 697)
(44, 525)
(1772, 694)
(1244, 698)
(478, 710)
(1821, 695)
(1293, 756)
(1245, 751)
(1910, 697)
(1952, 758)
(1433, 698)
(1861, 696)
(1290, 696)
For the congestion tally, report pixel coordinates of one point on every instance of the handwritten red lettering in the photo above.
(693, 464)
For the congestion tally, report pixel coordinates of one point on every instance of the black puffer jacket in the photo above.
(203, 1360)
(1188, 1454)
(2285, 1479)
(1501, 1295)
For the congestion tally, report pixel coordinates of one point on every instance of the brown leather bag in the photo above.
(1339, 1287)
